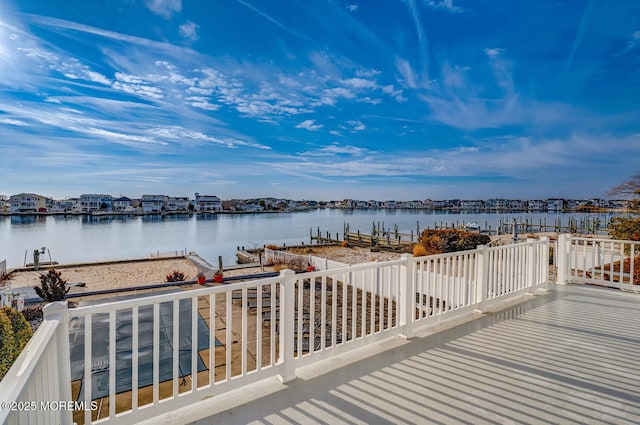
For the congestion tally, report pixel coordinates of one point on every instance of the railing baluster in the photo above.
(112, 363)
(343, 326)
(260, 293)
(228, 342)
(194, 344)
(212, 339)
(87, 387)
(134, 358)
(243, 344)
(176, 347)
(156, 353)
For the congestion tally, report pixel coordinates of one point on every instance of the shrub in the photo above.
(7, 344)
(625, 228)
(5, 276)
(21, 329)
(442, 241)
(176, 276)
(419, 250)
(15, 332)
(298, 265)
(32, 312)
(52, 286)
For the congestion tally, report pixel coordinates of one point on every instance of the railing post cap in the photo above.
(287, 272)
(54, 308)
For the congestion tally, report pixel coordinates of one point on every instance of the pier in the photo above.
(381, 237)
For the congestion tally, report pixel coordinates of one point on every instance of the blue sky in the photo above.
(380, 99)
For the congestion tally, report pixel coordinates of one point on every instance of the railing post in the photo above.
(58, 311)
(482, 278)
(287, 316)
(532, 262)
(544, 268)
(563, 258)
(407, 295)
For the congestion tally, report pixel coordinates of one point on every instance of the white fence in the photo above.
(39, 381)
(605, 262)
(138, 358)
(319, 263)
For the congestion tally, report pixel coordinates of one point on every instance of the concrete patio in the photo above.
(571, 356)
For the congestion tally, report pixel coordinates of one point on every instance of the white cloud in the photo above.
(406, 72)
(10, 121)
(356, 126)
(309, 125)
(493, 53)
(446, 5)
(189, 30)
(352, 7)
(396, 94)
(165, 8)
(360, 83)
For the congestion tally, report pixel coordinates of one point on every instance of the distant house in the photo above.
(620, 203)
(27, 203)
(95, 202)
(4, 204)
(428, 204)
(123, 204)
(178, 203)
(536, 205)
(153, 203)
(471, 204)
(207, 203)
(64, 205)
(555, 204)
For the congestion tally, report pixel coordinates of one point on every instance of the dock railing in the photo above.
(136, 359)
(605, 262)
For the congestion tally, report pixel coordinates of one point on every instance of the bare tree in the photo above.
(627, 189)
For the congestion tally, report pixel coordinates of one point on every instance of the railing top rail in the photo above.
(577, 238)
(16, 378)
(170, 296)
(543, 240)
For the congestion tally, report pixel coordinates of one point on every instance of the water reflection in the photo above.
(19, 220)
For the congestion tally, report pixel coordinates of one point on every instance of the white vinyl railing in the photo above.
(37, 390)
(604, 262)
(135, 359)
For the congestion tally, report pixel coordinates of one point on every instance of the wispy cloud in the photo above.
(309, 125)
(165, 8)
(189, 30)
(352, 7)
(446, 5)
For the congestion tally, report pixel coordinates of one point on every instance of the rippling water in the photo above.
(87, 238)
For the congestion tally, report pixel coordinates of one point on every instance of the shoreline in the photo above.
(302, 210)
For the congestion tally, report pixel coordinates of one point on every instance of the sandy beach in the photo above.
(114, 275)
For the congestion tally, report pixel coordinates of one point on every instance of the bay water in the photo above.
(72, 239)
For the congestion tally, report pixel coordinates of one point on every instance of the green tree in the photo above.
(52, 286)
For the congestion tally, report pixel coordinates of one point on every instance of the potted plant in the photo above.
(217, 276)
(201, 278)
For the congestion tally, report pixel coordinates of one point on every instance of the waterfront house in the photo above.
(471, 204)
(555, 204)
(63, 205)
(153, 204)
(90, 202)
(207, 203)
(620, 203)
(27, 203)
(4, 204)
(574, 204)
(536, 205)
(428, 204)
(177, 203)
(123, 204)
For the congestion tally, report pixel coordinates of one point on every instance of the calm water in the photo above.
(86, 239)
